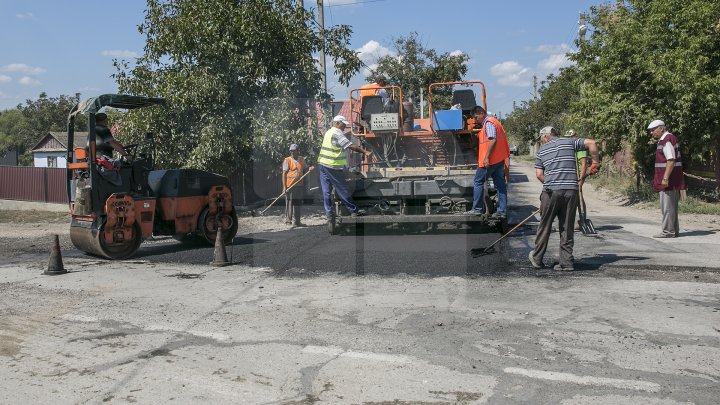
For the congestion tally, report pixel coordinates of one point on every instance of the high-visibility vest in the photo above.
(676, 180)
(501, 151)
(331, 156)
(295, 170)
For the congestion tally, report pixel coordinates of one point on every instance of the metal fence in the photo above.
(33, 184)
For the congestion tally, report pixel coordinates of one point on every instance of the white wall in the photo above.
(40, 159)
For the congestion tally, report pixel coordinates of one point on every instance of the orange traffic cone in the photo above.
(219, 256)
(55, 264)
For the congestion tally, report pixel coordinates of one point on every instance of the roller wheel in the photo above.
(122, 250)
(208, 231)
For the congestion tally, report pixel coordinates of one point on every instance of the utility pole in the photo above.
(582, 30)
(321, 20)
(535, 87)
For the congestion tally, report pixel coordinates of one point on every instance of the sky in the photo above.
(67, 47)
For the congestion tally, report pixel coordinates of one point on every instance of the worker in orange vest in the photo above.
(293, 169)
(493, 151)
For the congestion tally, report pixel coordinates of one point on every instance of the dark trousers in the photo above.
(293, 202)
(335, 178)
(560, 204)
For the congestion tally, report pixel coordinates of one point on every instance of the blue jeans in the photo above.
(497, 172)
(334, 178)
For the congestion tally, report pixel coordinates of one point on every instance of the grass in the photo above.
(644, 196)
(33, 216)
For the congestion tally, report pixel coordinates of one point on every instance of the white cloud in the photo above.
(372, 51)
(553, 63)
(562, 48)
(457, 52)
(511, 73)
(5, 79)
(119, 53)
(3, 95)
(24, 16)
(22, 68)
(29, 81)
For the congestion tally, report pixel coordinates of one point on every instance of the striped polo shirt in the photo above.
(557, 159)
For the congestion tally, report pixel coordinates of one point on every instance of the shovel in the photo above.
(288, 189)
(482, 252)
(586, 225)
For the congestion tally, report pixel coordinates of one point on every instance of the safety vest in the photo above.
(676, 180)
(295, 170)
(501, 151)
(331, 156)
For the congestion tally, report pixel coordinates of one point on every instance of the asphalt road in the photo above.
(302, 317)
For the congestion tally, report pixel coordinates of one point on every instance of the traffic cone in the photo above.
(55, 264)
(219, 256)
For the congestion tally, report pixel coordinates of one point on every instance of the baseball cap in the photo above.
(547, 131)
(570, 133)
(655, 124)
(100, 116)
(293, 146)
(340, 118)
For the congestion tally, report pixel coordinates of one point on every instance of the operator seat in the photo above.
(466, 99)
(370, 105)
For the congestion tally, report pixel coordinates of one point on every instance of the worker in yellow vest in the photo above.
(332, 160)
(493, 151)
(293, 169)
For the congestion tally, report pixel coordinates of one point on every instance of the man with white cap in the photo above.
(668, 179)
(293, 185)
(332, 160)
(555, 167)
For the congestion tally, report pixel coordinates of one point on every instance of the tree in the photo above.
(24, 126)
(415, 67)
(652, 59)
(219, 63)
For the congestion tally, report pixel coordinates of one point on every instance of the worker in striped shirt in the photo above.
(555, 167)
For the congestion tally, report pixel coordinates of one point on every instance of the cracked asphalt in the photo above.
(301, 317)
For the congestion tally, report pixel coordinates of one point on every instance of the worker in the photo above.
(332, 160)
(375, 89)
(293, 185)
(493, 151)
(668, 179)
(581, 157)
(555, 167)
(105, 143)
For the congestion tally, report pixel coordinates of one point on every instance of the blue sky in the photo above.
(64, 47)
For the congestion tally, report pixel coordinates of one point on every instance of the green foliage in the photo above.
(551, 108)
(415, 67)
(219, 64)
(652, 59)
(24, 126)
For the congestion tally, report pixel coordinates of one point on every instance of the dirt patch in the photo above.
(33, 216)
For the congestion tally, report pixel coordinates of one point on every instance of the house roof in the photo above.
(57, 142)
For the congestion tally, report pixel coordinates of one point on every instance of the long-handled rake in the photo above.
(286, 191)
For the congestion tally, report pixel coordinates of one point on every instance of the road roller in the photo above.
(115, 204)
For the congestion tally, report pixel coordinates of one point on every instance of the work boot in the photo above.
(498, 215)
(533, 262)
(473, 212)
(358, 213)
(664, 235)
(559, 267)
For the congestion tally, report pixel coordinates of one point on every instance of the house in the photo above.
(51, 151)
